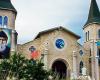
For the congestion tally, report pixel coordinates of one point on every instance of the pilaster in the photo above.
(14, 41)
(75, 64)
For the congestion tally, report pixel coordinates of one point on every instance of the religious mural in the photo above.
(5, 43)
(34, 52)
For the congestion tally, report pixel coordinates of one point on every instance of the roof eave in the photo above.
(87, 24)
(9, 10)
(72, 33)
(60, 27)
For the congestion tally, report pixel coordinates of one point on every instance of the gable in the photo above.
(58, 29)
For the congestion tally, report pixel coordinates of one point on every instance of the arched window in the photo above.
(99, 33)
(90, 52)
(5, 21)
(98, 54)
(86, 36)
(90, 56)
(81, 66)
(0, 21)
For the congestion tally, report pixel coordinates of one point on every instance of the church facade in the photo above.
(60, 51)
(58, 47)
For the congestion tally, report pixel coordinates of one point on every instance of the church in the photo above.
(58, 47)
(60, 51)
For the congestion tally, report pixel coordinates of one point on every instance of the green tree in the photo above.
(21, 68)
(36, 70)
(13, 67)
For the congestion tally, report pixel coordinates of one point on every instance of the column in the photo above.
(92, 60)
(14, 40)
(96, 63)
(75, 64)
(45, 58)
(45, 52)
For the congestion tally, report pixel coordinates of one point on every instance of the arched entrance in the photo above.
(60, 68)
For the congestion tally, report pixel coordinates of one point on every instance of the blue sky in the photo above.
(38, 15)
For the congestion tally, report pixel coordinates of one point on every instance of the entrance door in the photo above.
(60, 68)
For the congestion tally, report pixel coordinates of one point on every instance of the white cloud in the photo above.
(37, 15)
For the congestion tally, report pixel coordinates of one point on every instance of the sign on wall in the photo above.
(5, 43)
(98, 43)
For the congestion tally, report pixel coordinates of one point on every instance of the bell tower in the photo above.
(92, 36)
(8, 14)
(92, 26)
(7, 24)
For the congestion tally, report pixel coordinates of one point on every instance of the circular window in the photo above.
(59, 43)
(81, 52)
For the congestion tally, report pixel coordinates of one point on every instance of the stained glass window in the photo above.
(59, 43)
(81, 52)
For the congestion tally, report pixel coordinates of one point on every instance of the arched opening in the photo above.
(81, 66)
(60, 68)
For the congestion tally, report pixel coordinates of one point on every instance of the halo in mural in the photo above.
(60, 43)
(32, 48)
